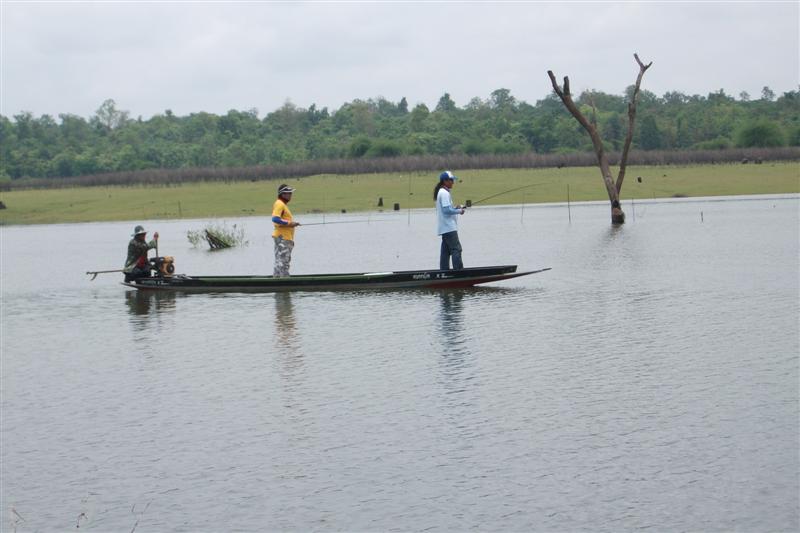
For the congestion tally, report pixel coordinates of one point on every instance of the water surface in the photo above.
(650, 380)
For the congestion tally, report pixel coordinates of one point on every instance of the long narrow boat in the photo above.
(409, 279)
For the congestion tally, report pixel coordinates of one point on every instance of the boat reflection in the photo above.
(147, 308)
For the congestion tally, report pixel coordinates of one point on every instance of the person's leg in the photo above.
(454, 248)
(283, 257)
(137, 273)
(444, 255)
(289, 246)
(276, 271)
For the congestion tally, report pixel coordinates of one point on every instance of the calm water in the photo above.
(649, 381)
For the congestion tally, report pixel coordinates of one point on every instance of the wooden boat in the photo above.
(410, 279)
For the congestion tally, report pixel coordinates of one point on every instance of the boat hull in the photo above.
(411, 279)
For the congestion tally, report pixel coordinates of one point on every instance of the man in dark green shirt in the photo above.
(136, 265)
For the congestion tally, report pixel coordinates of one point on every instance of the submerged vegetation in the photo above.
(217, 236)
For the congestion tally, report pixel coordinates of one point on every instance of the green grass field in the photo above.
(359, 193)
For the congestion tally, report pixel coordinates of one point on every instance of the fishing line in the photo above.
(343, 222)
(506, 192)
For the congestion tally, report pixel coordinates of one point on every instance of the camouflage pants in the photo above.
(283, 256)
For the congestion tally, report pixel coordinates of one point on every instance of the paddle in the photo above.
(94, 273)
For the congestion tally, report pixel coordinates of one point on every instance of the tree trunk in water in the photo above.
(613, 189)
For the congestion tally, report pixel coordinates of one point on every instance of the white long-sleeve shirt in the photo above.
(445, 212)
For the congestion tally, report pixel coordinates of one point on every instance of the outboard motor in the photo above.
(164, 266)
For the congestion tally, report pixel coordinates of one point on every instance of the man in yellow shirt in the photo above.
(284, 231)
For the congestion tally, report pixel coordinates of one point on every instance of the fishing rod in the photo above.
(343, 222)
(505, 192)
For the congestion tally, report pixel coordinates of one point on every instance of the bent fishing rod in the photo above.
(504, 192)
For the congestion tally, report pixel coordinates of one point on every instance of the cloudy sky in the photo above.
(68, 57)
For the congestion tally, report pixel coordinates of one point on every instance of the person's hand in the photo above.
(155, 235)
(293, 224)
(463, 209)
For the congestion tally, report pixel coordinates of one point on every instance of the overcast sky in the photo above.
(60, 57)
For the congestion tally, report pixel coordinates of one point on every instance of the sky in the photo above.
(189, 57)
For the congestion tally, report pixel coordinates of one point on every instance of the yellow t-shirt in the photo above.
(281, 210)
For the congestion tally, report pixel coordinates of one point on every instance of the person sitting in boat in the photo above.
(283, 235)
(136, 265)
(447, 222)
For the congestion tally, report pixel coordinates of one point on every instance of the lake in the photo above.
(648, 381)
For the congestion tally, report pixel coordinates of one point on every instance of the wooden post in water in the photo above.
(409, 199)
(569, 212)
(633, 210)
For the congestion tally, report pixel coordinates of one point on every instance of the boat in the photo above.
(409, 279)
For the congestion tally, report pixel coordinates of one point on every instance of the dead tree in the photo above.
(617, 215)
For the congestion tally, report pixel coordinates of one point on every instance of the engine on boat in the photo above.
(165, 266)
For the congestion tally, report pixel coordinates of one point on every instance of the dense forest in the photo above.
(112, 142)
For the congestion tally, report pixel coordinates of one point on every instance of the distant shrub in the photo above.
(763, 133)
(384, 148)
(359, 147)
(510, 145)
(474, 147)
(794, 136)
(720, 143)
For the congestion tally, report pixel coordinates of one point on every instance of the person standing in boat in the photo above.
(446, 215)
(283, 236)
(136, 265)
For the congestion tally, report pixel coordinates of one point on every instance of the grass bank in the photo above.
(358, 193)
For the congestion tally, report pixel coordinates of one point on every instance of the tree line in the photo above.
(363, 133)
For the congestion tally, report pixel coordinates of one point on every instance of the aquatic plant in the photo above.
(217, 236)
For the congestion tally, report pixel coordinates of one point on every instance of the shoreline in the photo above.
(363, 193)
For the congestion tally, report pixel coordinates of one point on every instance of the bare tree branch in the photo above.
(623, 162)
(597, 142)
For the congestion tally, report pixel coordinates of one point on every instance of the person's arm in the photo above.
(153, 243)
(281, 222)
(447, 205)
(277, 211)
